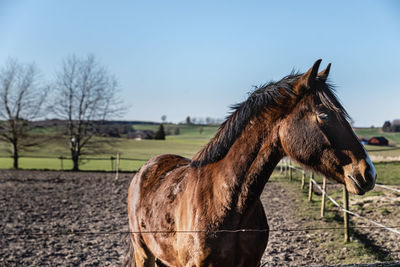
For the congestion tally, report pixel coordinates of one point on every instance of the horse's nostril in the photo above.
(370, 171)
(370, 178)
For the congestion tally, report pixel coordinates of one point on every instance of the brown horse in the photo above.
(185, 212)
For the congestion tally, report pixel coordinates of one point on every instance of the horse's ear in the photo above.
(323, 75)
(311, 75)
(308, 78)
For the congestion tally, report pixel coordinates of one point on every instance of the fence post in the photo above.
(117, 167)
(290, 171)
(310, 187)
(286, 167)
(303, 177)
(323, 197)
(346, 215)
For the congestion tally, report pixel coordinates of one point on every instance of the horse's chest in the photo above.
(205, 250)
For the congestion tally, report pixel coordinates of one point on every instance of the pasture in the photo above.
(370, 132)
(80, 219)
(133, 152)
(368, 244)
(379, 153)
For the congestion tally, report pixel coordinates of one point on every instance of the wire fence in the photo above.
(284, 166)
(388, 187)
(355, 214)
(298, 230)
(287, 167)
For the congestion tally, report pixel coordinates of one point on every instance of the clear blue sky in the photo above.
(182, 58)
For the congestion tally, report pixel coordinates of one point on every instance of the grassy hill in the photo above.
(392, 151)
(135, 152)
(393, 138)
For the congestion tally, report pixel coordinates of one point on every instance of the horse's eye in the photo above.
(322, 117)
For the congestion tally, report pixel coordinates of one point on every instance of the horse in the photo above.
(207, 211)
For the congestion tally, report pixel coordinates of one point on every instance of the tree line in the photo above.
(83, 92)
(393, 126)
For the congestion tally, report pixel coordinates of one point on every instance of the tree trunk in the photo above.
(75, 160)
(15, 156)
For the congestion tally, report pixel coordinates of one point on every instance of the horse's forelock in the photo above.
(330, 101)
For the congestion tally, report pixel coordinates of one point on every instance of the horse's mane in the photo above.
(262, 98)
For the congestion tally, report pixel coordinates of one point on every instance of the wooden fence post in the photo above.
(310, 187)
(117, 167)
(303, 177)
(346, 215)
(323, 197)
(286, 167)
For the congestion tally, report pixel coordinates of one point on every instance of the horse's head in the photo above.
(316, 133)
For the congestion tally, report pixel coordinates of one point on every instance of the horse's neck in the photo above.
(239, 178)
(258, 173)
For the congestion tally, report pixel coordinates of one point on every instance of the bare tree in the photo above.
(86, 95)
(188, 121)
(21, 99)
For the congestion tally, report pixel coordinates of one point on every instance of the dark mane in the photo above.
(262, 98)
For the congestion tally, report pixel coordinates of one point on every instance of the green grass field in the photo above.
(394, 141)
(394, 138)
(186, 144)
(388, 173)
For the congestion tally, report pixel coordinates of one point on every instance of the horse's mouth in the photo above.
(356, 187)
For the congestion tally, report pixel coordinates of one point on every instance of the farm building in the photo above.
(378, 141)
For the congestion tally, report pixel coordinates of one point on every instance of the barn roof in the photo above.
(380, 138)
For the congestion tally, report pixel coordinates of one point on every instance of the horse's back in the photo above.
(152, 175)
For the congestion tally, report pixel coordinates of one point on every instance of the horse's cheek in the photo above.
(300, 140)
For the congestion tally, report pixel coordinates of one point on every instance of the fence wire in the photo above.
(355, 214)
(379, 225)
(74, 232)
(298, 230)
